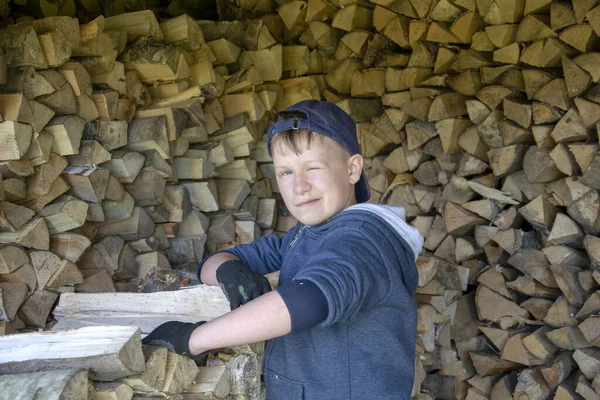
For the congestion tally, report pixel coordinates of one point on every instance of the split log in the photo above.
(210, 381)
(244, 369)
(27, 81)
(22, 48)
(118, 355)
(38, 202)
(76, 75)
(77, 310)
(148, 134)
(69, 246)
(64, 383)
(16, 138)
(180, 373)
(34, 234)
(103, 255)
(113, 389)
(136, 24)
(153, 377)
(138, 225)
(125, 166)
(62, 100)
(91, 153)
(493, 307)
(12, 296)
(65, 216)
(37, 307)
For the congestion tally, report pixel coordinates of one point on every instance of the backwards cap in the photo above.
(326, 119)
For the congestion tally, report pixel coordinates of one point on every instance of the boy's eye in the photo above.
(285, 173)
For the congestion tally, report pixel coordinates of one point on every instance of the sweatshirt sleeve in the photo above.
(265, 254)
(356, 270)
(262, 255)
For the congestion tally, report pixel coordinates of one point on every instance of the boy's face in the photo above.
(319, 182)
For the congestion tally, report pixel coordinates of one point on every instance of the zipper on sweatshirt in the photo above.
(297, 236)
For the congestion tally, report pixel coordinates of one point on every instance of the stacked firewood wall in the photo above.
(131, 147)
(124, 157)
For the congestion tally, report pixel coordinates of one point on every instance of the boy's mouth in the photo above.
(307, 202)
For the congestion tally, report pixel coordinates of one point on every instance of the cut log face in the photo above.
(34, 234)
(153, 377)
(37, 307)
(458, 221)
(534, 263)
(65, 216)
(22, 48)
(45, 265)
(539, 166)
(493, 307)
(16, 138)
(539, 212)
(13, 296)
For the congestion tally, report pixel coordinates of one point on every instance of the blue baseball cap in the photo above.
(329, 120)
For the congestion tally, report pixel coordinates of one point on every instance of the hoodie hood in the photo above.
(395, 217)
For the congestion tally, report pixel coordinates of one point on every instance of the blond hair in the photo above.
(297, 139)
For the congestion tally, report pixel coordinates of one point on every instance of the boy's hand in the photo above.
(175, 336)
(239, 284)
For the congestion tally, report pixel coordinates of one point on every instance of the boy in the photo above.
(342, 322)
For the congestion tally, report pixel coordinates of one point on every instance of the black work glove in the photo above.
(240, 284)
(175, 336)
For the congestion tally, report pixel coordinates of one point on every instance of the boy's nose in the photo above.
(301, 184)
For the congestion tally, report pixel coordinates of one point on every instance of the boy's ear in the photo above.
(355, 166)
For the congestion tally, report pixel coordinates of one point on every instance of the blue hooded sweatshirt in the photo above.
(363, 260)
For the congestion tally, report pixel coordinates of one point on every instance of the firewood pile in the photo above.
(95, 352)
(103, 363)
(130, 147)
(123, 157)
